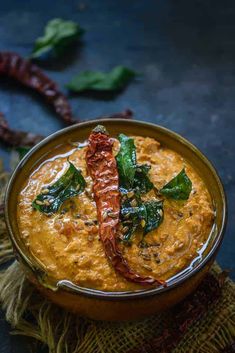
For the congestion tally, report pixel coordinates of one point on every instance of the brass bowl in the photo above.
(98, 304)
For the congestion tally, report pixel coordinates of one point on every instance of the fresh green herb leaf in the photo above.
(16, 155)
(58, 35)
(142, 182)
(148, 214)
(126, 161)
(154, 215)
(22, 151)
(134, 181)
(179, 188)
(131, 176)
(114, 80)
(131, 218)
(69, 185)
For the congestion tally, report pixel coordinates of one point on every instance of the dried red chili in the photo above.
(30, 75)
(126, 114)
(102, 167)
(22, 138)
(17, 138)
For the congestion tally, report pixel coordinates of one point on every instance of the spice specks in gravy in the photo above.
(67, 242)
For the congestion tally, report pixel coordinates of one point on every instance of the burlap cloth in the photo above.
(202, 323)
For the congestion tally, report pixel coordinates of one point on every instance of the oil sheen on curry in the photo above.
(115, 214)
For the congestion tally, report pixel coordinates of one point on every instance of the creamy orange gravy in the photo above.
(68, 245)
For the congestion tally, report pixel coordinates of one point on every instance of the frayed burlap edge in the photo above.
(31, 315)
(5, 246)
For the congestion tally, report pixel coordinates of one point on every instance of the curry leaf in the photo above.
(142, 182)
(179, 188)
(154, 215)
(126, 161)
(17, 154)
(131, 176)
(22, 151)
(131, 218)
(68, 185)
(148, 214)
(57, 36)
(134, 181)
(114, 80)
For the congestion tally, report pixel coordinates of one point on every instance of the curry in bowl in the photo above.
(115, 214)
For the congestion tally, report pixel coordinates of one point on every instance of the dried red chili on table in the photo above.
(102, 167)
(126, 114)
(17, 138)
(30, 75)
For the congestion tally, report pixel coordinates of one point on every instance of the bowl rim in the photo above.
(109, 295)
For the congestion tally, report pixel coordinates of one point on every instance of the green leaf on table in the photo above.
(16, 155)
(58, 34)
(179, 188)
(68, 185)
(114, 80)
(22, 151)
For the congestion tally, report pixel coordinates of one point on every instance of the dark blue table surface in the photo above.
(185, 51)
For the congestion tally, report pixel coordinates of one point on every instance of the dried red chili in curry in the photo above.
(103, 170)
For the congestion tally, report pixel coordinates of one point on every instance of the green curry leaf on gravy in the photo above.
(131, 218)
(179, 188)
(131, 175)
(68, 185)
(134, 181)
(142, 182)
(148, 214)
(126, 161)
(114, 80)
(153, 215)
(57, 36)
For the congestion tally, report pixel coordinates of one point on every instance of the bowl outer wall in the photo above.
(80, 132)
